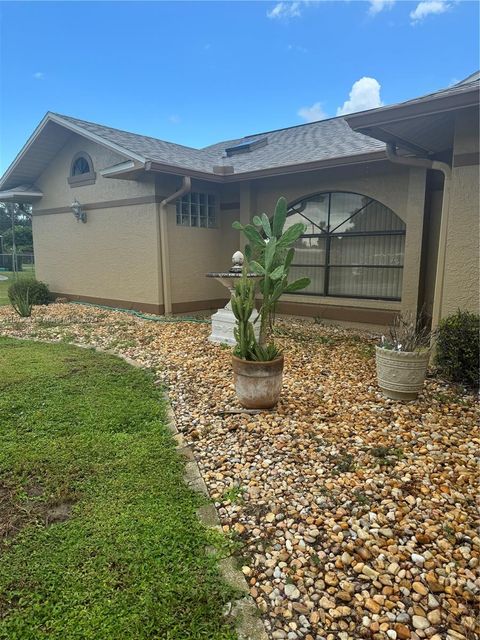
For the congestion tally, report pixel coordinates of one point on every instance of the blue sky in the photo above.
(199, 72)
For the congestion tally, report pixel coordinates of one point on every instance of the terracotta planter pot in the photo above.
(258, 384)
(401, 374)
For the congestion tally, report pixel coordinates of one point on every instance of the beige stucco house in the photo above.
(390, 198)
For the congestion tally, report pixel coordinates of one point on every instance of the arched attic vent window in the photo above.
(81, 170)
(353, 246)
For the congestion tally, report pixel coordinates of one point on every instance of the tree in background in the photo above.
(23, 239)
(20, 226)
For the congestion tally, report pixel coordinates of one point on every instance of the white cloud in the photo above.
(175, 119)
(365, 94)
(39, 75)
(297, 47)
(285, 10)
(428, 7)
(313, 113)
(376, 6)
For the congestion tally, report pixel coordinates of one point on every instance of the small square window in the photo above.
(196, 209)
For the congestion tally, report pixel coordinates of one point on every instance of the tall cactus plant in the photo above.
(270, 254)
(243, 303)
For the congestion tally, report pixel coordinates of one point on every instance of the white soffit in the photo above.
(43, 145)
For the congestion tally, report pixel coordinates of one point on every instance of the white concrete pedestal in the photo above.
(223, 324)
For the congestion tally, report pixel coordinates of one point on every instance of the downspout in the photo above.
(164, 253)
(445, 168)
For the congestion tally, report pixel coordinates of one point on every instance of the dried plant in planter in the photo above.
(402, 358)
(408, 333)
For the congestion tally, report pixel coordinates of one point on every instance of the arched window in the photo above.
(353, 246)
(80, 166)
(81, 170)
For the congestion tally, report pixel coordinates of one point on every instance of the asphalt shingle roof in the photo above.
(149, 148)
(313, 142)
(306, 143)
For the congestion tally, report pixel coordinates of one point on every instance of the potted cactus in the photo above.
(402, 358)
(258, 364)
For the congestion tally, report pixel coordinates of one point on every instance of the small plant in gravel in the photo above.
(361, 497)
(21, 302)
(46, 323)
(345, 463)
(233, 495)
(455, 396)
(366, 350)
(386, 452)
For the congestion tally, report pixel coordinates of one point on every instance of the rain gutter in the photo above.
(162, 211)
(444, 168)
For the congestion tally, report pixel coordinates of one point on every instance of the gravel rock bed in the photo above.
(355, 516)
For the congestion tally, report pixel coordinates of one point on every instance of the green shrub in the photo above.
(38, 292)
(458, 348)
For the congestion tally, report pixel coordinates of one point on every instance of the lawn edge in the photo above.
(244, 612)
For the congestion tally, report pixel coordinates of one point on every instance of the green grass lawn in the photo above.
(98, 534)
(28, 272)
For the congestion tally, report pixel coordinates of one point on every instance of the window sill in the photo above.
(364, 303)
(82, 180)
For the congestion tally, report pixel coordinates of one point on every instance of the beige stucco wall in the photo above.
(461, 278)
(114, 256)
(58, 193)
(400, 188)
(197, 251)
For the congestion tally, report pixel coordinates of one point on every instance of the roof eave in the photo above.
(124, 170)
(364, 121)
(373, 156)
(329, 163)
(17, 195)
(51, 117)
(161, 167)
(24, 150)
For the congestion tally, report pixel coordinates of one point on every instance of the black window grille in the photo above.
(353, 246)
(80, 166)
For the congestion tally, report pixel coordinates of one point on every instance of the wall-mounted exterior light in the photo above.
(78, 212)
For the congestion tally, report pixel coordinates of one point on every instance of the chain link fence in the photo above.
(20, 262)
